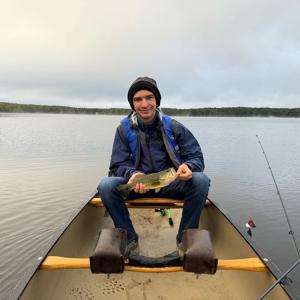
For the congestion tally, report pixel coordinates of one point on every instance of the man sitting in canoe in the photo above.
(147, 141)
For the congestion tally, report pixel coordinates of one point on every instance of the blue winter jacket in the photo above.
(153, 150)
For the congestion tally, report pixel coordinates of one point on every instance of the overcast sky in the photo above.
(202, 53)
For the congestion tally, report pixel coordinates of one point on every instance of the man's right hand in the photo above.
(140, 188)
(184, 172)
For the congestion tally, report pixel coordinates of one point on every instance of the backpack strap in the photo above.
(130, 136)
(170, 141)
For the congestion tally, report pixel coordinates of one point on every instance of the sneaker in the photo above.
(132, 248)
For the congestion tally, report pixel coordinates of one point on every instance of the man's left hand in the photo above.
(140, 188)
(184, 173)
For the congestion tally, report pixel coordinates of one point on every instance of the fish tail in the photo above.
(124, 189)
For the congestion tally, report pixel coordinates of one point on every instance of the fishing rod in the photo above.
(291, 232)
(278, 280)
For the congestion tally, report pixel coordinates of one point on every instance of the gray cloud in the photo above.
(86, 53)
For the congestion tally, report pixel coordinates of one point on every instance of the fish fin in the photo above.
(157, 190)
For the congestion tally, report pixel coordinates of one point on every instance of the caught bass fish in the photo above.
(152, 181)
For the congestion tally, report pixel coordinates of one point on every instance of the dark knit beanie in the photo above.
(143, 83)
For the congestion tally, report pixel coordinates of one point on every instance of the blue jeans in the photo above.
(194, 192)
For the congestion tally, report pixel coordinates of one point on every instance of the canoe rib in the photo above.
(243, 264)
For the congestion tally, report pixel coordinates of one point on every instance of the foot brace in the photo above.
(199, 256)
(109, 254)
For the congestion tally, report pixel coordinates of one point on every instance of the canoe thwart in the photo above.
(253, 264)
(108, 256)
(199, 256)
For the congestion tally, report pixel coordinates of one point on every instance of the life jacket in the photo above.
(130, 130)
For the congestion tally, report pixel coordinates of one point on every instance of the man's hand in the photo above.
(184, 173)
(140, 188)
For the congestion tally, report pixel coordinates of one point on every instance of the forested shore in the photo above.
(7, 107)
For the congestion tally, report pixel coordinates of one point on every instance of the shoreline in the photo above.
(239, 111)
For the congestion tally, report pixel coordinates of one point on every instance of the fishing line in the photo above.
(291, 232)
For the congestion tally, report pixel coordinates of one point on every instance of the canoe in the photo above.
(65, 272)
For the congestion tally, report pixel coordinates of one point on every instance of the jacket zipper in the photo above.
(148, 146)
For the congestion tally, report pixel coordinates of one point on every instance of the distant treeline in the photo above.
(56, 109)
(236, 112)
(208, 111)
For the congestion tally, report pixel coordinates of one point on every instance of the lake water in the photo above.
(50, 164)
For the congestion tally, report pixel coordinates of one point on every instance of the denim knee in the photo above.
(105, 185)
(201, 181)
(108, 185)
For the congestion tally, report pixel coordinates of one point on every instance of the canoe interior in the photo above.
(157, 238)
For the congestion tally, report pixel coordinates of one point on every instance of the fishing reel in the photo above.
(164, 212)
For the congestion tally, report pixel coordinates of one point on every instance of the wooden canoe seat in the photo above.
(148, 203)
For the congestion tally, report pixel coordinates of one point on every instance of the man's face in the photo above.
(144, 103)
